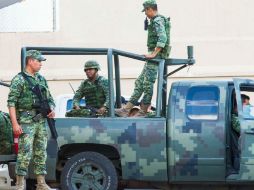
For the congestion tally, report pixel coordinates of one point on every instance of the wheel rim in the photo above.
(88, 176)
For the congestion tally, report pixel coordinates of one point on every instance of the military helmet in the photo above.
(92, 64)
(148, 3)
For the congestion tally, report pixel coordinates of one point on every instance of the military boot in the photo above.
(123, 112)
(41, 184)
(20, 183)
(143, 110)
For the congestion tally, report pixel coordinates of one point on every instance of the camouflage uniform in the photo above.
(234, 137)
(158, 36)
(6, 134)
(95, 92)
(33, 140)
(235, 123)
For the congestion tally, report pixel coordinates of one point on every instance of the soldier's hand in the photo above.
(51, 114)
(17, 130)
(150, 56)
(102, 110)
(76, 107)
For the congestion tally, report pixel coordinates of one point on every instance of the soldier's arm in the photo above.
(14, 94)
(78, 96)
(16, 89)
(162, 37)
(154, 53)
(17, 130)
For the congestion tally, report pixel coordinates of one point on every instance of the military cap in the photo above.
(148, 3)
(91, 64)
(35, 55)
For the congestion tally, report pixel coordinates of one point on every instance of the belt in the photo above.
(35, 116)
(28, 113)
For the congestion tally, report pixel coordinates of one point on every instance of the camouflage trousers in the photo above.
(32, 146)
(144, 84)
(78, 113)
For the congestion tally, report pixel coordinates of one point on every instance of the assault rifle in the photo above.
(94, 111)
(44, 109)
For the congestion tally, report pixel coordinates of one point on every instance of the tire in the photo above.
(89, 171)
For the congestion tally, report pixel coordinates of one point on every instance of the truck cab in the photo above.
(201, 135)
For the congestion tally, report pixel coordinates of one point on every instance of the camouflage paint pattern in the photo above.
(183, 151)
(141, 143)
(246, 138)
(196, 149)
(247, 150)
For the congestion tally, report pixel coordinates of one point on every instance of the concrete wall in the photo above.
(222, 33)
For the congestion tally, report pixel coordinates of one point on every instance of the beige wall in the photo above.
(221, 31)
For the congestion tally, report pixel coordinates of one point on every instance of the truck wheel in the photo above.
(89, 170)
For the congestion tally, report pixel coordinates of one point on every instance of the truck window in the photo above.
(202, 103)
(247, 98)
(69, 104)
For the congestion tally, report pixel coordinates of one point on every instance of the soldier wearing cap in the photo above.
(32, 133)
(158, 44)
(94, 89)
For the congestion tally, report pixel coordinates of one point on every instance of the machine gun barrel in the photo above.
(4, 84)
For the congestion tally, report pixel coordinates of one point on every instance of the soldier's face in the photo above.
(246, 102)
(35, 65)
(91, 73)
(149, 12)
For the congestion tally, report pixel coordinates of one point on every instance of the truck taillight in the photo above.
(16, 143)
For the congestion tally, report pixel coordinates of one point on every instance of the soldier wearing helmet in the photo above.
(158, 45)
(94, 89)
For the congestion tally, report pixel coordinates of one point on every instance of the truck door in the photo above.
(197, 131)
(246, 118)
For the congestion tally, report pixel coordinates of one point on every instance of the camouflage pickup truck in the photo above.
(188, 144)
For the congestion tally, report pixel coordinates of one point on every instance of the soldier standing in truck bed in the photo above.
(158, 47)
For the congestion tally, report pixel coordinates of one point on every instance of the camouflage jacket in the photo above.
(96, 93)
(23, 99)
(159, 35)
